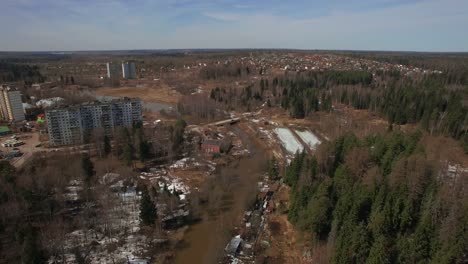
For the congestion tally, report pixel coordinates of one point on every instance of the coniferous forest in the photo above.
(433, 101)
(11, 72)
(382, 198)
(379, 200)
(436, 102)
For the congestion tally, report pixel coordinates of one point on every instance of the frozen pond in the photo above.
(309, 138)
(288, 140)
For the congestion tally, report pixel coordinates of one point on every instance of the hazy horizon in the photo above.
(356, 25)
(225, 49)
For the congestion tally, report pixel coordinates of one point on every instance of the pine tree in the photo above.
(378, 253)
(128, 153)
(273, 169)
(464, 143)
(143, 150)
(147, 209)
(178, 135)
(31, 252)
(7, 172)
(107, 145)
(88, 168)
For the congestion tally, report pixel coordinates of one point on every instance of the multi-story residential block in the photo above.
(64, 126)
(129, 70)
(76, 124)
(11, 105)
(112, 70)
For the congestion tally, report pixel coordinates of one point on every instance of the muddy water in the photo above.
(229, 195)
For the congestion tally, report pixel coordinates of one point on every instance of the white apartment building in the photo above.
(75, 124)
(129, 70)
(11, 105)
(64, 126)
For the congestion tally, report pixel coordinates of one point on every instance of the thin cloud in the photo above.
(224, 16)
(113, 24)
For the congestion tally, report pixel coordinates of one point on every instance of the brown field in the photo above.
(287, 244)
(160, 94)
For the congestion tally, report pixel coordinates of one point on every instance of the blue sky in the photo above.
(54, 25)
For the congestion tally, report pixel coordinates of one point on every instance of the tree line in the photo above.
(454, 66)
(437, 108)
(12, 72)
(379, 200)
(428, 100)
(222, 71)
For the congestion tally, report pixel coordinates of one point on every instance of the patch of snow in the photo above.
(198, 91)
(73, 190)
(288, 140)
(120, 228)
(182, 163)
(243, 152)
(309, 138)
(109, 178)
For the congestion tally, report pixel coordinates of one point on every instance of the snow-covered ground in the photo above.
(191, 163)
(73, 190)
(309, 138)
(289, 141)
(453, 172)
(166, 181)
(182, 163)
(115, 238)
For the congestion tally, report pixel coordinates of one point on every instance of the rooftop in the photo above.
(233, 245)
(4, 129)
(4, 87)
(95, 102)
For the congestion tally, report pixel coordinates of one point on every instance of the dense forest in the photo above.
(379, 200)
(222, 71)
(400, 100)
(430, 101)
(435, 101)
(10, 72)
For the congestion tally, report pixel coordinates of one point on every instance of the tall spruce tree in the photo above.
(148, 212)
(88, 168)
(107, 145)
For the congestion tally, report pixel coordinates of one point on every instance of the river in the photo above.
(231, 192)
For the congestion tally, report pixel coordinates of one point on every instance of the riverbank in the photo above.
(229, 194)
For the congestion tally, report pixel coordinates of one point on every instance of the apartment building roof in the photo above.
(7, 87)
(92, 103)
(4, 129)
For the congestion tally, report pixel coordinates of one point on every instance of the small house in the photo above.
(4, 130)
(233, 246)
(214, 146)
